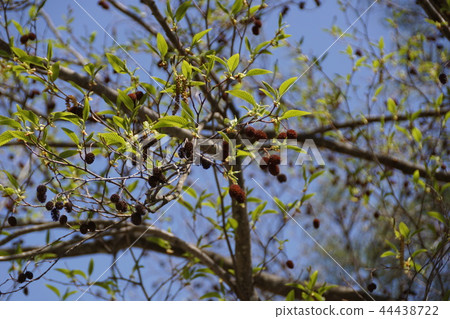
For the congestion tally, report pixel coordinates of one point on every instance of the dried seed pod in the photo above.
(114, 198)
(41, 189)
(12, 221)
(49, 206)
(29, 275)
(140, 209)
(121, 206)
(255, 30)
(249, 131)
(205, 163)
(136, 218)
(55, 214)
(24, 39)
(63, 219)
(264, 163)
(89, 158)
(371, 287)
(68, 206)
(59, 205)
(274, 159)
(21, 278)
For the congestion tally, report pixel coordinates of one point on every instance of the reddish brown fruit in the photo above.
(121, 206)
(31, 36)
(290, 264)
(282, 136)
(76, 110)
(249, 131)
(291, 134)
(225, 150)
(24, 39)
(376, 215)
(282, 178)
(255, 30)
(264, 163)
(103, 4)
(237, 193)
(258, 23)
(139, 95)
(140, 209)
(316, 223)
(114, 198)
(274, 170)
(59, 205)
(260, 135)
(274, 159)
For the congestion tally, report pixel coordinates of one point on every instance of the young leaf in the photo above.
(243, 95)
(254, 72)
(233, 62)
(162, 45)
(286, 85)
(293, 113)
(118, 65)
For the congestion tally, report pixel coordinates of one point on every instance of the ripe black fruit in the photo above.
(237, 193)
(376, 215)
(188, 149)
(301, 5)
(290, 264)
(91, 226)
(153, 181)
(121, 206)
(282, 178)
(358, 52)
(274, 170)
(24, 39)
(49, 206)
(136, 218)
(59, 205)
(68, 206)
(89, 158)
(55, 214)
(316, 223)
(63, 219)
(255, 30)
(205, 163)
(41, 197)
(291, 134)
(31, 36)
(21, 278)
(140, 209)
(12, 221)
(114, 198)
(29, 275)
(41, 189)
(84, 228)
(443, 78)
(371, 287)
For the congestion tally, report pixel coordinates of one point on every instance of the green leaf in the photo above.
(181, 11)
(233, 222)
(199, 35)
(233, 62)
(112, 138)
(118, 65)
(254, 72)
(243, 95)
(392, 106)
(186, 69)
(387, 254)
(54, 289)
(91, 267)
(211, 295)
(55, 71)
(437, 216)
(161, 44)
(5, 137)
(9, 122)
(72, 135)
(291, 295)
(68, 153)
(404, 230)
(286, 85)
(293, 113)
(416, 134)
(11, 178)
(171, 121)
(237, 6)
(86, 109)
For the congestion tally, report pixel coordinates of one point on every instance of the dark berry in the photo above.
(133, 96)
(55, 214)
(255, 30)
(42, 198)
(258, 23)
(274, 159)
(121, 206)
(140, 209)
(63, 219)
(291, 134)
(91, 226)
(282, 136)
(264, 163)
(139, 95)
(282, 178)
(29, 275)
(301, 5)
(12, 221)
(31, 36)
(443, 78)
(25, 291)
(114, 198)
(371, 287)
(68, 206)
(225, 150)
(76, 110)
(317, 2)
(237, 193)
(24, 39)
(188, 149)
(153, 181)
(274, 170)
(49, 206)
(84, 228)
(181, 152)
(41, 189)
(358, 52)
(376, 215)
(205, 163)
(290, 264)
(59, 205)
(249, 131)
(90, 158)
(260, 135)
(21, 278)
(136, 218)
(316, 223)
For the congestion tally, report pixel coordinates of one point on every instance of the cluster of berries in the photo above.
(271, 164)
(136, 96)
(121, 205)
(186, 151)
(85, 227)
(27, 37)
(256, 26)
(254, 134)
(157, 177)
(24, 276)
(56, 207)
